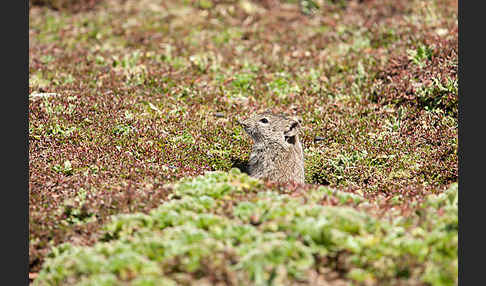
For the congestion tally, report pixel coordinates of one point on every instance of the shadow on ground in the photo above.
(240, 164)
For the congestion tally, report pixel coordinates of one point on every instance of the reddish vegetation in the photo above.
(122, 150)
(68, 5)
(401, 78)
(51, 216)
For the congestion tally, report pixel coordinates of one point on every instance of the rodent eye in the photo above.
(264, 120)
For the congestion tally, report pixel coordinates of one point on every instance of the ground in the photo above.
(148, 93)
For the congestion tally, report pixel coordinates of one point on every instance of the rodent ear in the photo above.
(297, 118)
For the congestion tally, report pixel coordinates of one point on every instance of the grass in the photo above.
(143, 104)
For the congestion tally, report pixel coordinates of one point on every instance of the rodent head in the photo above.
(268, 127)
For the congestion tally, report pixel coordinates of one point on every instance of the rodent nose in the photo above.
(241, 123)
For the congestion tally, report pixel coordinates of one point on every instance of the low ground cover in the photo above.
(228, 228)
(149, 93)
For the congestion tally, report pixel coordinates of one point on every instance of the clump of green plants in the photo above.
(66, 168)
(263, 239)
(282, 85)
(439, 95)
(420, 55)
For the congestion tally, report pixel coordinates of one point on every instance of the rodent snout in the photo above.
(242, 123)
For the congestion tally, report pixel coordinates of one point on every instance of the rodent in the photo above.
(276, 153)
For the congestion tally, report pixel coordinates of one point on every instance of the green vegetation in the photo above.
(265, 238)
(147, 97)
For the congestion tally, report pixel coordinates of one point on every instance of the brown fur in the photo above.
(277, 152)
